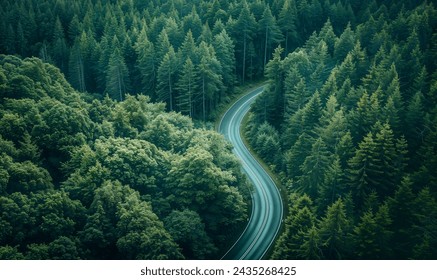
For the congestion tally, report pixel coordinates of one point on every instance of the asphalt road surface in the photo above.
(267, 209)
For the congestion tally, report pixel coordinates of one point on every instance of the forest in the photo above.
(106, 105)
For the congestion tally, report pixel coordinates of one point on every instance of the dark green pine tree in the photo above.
(224, 48)
(245, 25)
(76, 67)
(59, 47)
(117, 79)
(163, 45)
(296, 93)
(147, 63)
(314, 169)
(334, 231)
(344, 44)
(167, 78)
(272, 33)
(192, 22)
(311, 246)
(296, 155)
(372, 235)
(333, 186)
(209, 78)
(187, 88)
(189, 48)
(287, 23)
(300, 221)
(328, 35)
(304, 120)
(275, 91)
(74, 29)
(384, 182)
(425, 213)
(364, 169)
(401, 209)
(415, 121)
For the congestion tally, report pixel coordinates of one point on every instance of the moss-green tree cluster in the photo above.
(102, 179)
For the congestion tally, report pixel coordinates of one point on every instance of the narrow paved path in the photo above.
(267, 210)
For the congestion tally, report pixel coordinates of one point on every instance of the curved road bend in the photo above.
(267, 210)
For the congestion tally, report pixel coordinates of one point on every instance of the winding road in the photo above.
(267, 209)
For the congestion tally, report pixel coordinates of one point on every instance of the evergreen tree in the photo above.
(401, 212)
(77, 67)
(224, 48)
(189, 48)
(287, 23)
(117, 80)
(334, 230)
(314, 169)
(372, 235)
(59, 46)
(246, 24)
(363, 169)
(344, 44)
(272, 33)
(333, 186)
(187, 88)
(167, 78)
(209, 78)
(147, 63)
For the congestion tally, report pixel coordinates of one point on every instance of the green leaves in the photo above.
(78, 179)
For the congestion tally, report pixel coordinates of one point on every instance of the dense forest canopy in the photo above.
(349, 121)
(108, 179)
(100, 159)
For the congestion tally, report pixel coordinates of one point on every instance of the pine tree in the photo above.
(189, 48)
(414, 119)
(364, 169)
(224, 48)
(425, 213)
(117, 80)
(287, 23)
(344, 44)
(192, 22)
(76, 67)
(296, 97)
(372, 235)
(209, 78)
(272, 33)
(21, 40)
(59, 47)
(300, 221)
(401, 209)
(328, 35)
(246, 25)
(163, 45)
(147, 63)
(333, 185)
(314, 169)
(334, 230)
(296, 155)
(311, 247)
(186, 87)
(167, 78)
(274, 71)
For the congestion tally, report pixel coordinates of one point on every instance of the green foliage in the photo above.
(188, 231)
(354, 130)
(348, 117)
(96, 179)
